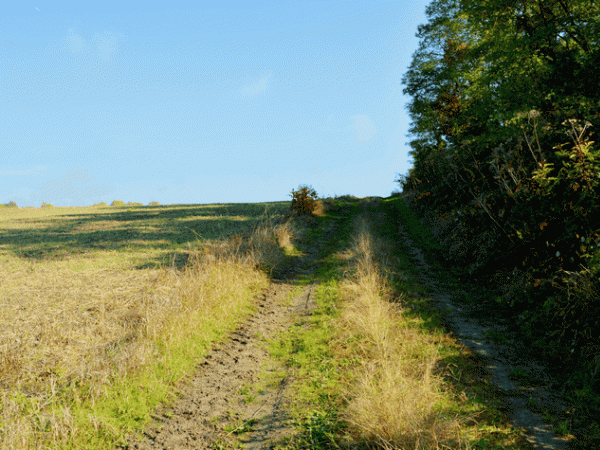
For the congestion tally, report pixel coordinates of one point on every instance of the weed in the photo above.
(241, 427)
(219, 444)
(244, 390)
(562, 428)
(520, 374)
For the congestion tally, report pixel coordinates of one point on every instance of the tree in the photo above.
(496, 85)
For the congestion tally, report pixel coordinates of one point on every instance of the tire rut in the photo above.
(212, 408)
(500, 361)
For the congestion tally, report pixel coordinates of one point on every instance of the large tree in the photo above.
(481, 65)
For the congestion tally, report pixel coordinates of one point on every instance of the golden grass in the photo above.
(393, 403)
(86, 322)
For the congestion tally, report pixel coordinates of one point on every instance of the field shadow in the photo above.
(66, 232)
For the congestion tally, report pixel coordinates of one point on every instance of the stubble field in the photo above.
(92, 295)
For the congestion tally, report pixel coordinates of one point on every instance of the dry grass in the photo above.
(73, 328)
(394, 401)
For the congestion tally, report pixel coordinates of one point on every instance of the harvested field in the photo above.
(90, 296)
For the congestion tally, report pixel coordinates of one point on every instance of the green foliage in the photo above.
(46, 205)
(101, 204)
(118, 203)
(495, 88)
(346, 198)
(134, 204)
(10, 204)
(153, 204)
(304, 200)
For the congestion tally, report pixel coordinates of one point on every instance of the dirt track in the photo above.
(211, 399)
(211, 402)
(469, 324)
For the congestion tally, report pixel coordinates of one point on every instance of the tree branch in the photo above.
(584, 45)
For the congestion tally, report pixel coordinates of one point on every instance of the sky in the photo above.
(188, 102)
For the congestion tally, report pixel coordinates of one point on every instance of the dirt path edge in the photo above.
(501, 361)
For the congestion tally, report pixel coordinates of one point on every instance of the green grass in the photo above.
(306, 352)
(323, 374)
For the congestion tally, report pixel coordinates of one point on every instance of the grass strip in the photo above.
(373, 367)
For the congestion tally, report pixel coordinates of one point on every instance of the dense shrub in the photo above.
(346, 198)
(153, 204)
(134, 204)
(101, 204)
(46, 205)
(527, 227)
(305, 201)
(10, 205)
(118, 203)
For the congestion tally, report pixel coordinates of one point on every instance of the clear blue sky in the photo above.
(203, 101)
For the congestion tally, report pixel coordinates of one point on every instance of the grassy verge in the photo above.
(86, 360)
(374, 366)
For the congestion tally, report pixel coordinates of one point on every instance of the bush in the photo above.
(134, 204)
(305, 201)
(153, 204)
(11, 205)
(117, 203)
(330, 204)
(46, 205)
(346, 198)
(101, 204)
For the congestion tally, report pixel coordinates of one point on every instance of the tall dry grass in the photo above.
(393, 402)
(67, 337)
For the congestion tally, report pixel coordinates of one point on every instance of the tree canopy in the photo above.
(505, 96)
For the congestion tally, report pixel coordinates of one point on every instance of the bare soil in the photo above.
(214, 409)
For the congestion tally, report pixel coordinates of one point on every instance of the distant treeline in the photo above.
(505, 97)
